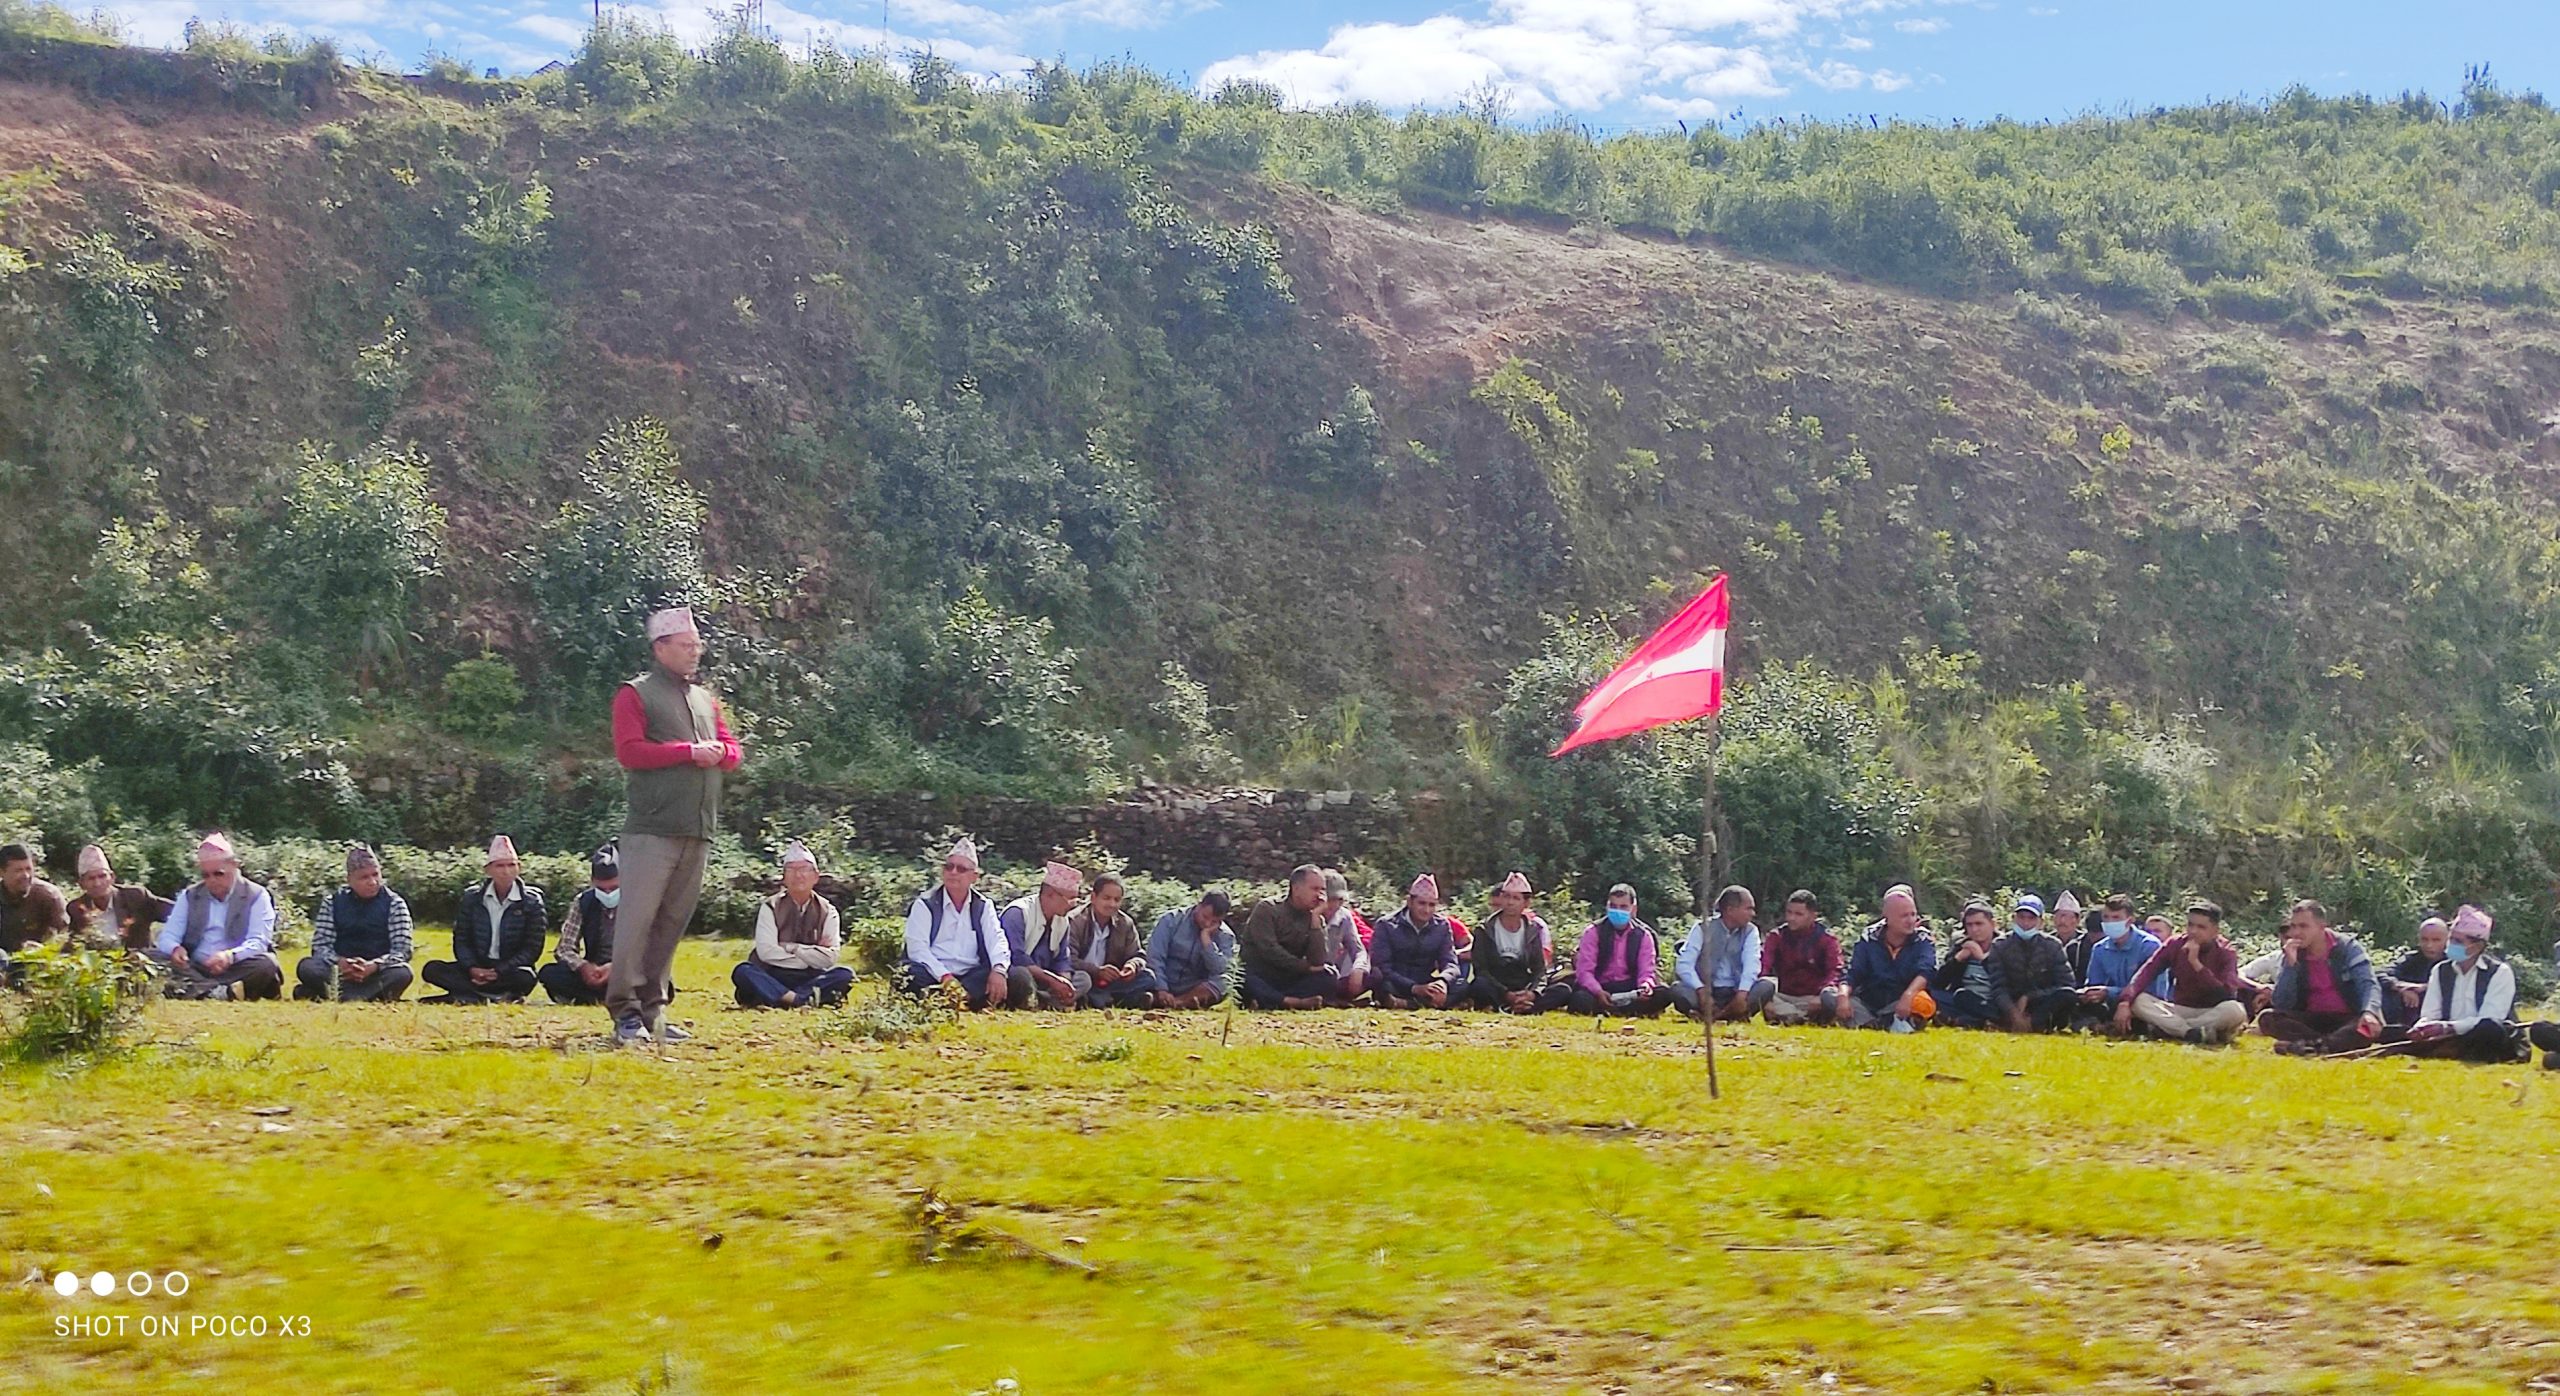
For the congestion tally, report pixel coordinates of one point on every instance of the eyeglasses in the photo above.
(957, 867)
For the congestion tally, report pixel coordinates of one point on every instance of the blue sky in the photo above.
(1615, 63)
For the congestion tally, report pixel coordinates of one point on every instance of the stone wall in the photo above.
(1192, 835)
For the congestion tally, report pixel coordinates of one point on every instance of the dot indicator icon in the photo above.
(102, 1284)
(66, 1284)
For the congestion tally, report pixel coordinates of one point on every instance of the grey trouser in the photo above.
(661, 882)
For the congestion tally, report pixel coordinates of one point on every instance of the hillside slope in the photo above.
(1028, 457)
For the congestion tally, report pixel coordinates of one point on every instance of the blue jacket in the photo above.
(2348, 965)
(1877, 976)
(1406, 955)
(1175, 953)
(2113, 965)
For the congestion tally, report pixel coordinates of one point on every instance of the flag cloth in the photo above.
(1675, 675)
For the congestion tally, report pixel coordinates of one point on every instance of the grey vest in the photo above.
(681, 802)
(235, 912)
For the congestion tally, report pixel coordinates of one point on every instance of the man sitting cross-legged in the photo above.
(953, 941)
(1043, 972)
(2469, 1011)
(2326, 1000)
(2121, 950)
(2206, 999)
(1516, 956)
(1288, 962)
(2404, 985)
(1969, 993)
(583, 960)
(798, 933)
(1349, 934)
(498, 933)
(108, 913)
(2034, 972)
(219, 940)
(359, 940)
(1191, 951)
(1615, 964)
(1722, 954)
(1892, 966)
(1103, 946)
(1805, 966)
(1414, 953)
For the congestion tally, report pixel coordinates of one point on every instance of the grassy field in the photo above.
(484, 1200)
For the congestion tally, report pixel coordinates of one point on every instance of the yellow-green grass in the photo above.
(485, 1200)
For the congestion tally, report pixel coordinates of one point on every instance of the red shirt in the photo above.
(2320, 986)
(1803, 965)
(636, 752)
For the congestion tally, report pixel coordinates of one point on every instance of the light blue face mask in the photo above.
(1620, 917)
(609, 899)
(2024, 929)
(2457, 951)
(2116, 930)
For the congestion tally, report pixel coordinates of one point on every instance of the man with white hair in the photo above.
(673, 743)
(798, 933)
(498, 934)
(359, 940)
(108, 913)
(954, 943)
(1041, 972)
(219, 940)
(2469, 1009)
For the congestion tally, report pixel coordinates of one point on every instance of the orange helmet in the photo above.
(1923, 1007)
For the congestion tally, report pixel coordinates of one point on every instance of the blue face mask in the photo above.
(2457, 952)
(2116, 930)
(609, 899)
(1620, 917)
(2024, 929)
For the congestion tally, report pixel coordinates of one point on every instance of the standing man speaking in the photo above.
(672, 740)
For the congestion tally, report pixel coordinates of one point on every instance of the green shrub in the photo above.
(482, 697)
(72, 1003)
(888, 1014)
(349, 545)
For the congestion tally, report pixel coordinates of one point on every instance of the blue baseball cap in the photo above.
(2030, 902)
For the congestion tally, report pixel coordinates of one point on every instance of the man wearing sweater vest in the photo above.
(359, 940)
(673, 743)
(798, 932)
(219, 941)
(953, 942)
(584, 957)
(1515, 960)
(1042, 972)
(2469, 1009)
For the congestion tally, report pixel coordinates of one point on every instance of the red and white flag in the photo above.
(1675, 675)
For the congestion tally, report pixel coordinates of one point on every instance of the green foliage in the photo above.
(349, 545)
(626, 62)
(44, 19)
(631, 543)
(483, 697)
(890, 1015)
(1624, 811)
(1809, 790)
(72, 1003)
(116, 304)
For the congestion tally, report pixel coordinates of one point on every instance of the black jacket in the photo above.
(519, 933)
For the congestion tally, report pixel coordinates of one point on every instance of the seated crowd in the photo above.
(1067, 946)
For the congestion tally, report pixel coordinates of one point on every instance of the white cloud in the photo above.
(1682, 58)
(1934, 24)
(554, 28)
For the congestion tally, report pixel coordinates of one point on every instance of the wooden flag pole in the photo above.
(1707, 860)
